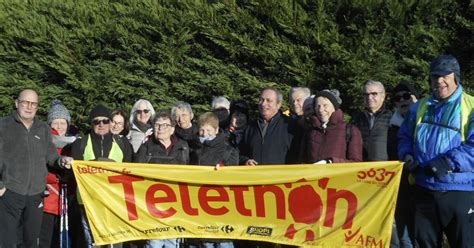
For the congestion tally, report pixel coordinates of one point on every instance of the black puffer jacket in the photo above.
(375, 139)
(215, 152)
(153, 152)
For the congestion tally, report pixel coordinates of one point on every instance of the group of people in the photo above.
(433, 136)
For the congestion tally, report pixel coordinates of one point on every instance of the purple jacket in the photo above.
(320, 143)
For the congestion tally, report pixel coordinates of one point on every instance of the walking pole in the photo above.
(66, 217)
(61, 217)
(64, 225)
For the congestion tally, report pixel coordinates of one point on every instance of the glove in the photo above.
(324, 161)
(438, 167)
(410, 163)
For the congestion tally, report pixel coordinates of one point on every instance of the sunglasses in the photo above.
(139, 111)
(406, 96)
(103, 121)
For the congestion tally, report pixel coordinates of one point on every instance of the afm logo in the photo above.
(361, 240)
(257, 230)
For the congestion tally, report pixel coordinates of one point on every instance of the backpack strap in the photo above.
(420, 112)
(467, 105)
(348, 133)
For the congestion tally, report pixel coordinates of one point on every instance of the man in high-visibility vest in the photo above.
(100, 144)
(437, 145)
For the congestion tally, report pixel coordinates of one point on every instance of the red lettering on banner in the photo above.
(204, 199)
(239, 200)
(186, 201)
(333, 196)
(279, 200)
(127, 183)
(304, 203)
(151, 200)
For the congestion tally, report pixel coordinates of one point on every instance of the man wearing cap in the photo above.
(26, 149)
(100, 144)
(436, 143)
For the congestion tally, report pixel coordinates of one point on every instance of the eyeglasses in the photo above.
(25, 104)
(139, 111)
(96, 122)
(162, 126)
(374, 94)
(406, 96)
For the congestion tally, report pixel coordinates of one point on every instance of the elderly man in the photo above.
(436, 143)
(26, 148)
(268, 139)
(373, 122)
(99, 144)
(297, 97)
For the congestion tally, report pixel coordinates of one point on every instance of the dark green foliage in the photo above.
(116, 52)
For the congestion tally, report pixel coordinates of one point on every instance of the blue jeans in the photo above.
(159, 243)
(225, 244)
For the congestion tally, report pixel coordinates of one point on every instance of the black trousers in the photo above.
(49, 234)
(451, 212)
(20, 220)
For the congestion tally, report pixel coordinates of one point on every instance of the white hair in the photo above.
(137, 105)
(306, 91)
(376, 83)
(219, 102)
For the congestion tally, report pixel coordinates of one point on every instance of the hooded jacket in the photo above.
(320, 143)
(24, 155)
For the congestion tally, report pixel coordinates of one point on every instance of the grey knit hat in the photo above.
(332, 94)
(58, 111)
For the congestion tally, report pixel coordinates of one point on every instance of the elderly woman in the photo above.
(119, 125)
(163, 148)
(213, 150)
(183, 114)
(328, 139)
(140, 122)
(59, 120)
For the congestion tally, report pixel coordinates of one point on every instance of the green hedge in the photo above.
(116, 52)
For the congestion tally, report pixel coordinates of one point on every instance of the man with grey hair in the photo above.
(296, 98)
(374, 121)
(26, 149)
(268, 139)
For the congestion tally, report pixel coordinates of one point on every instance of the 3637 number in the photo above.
(379, 175)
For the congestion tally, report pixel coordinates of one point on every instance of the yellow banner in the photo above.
(336, 205)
